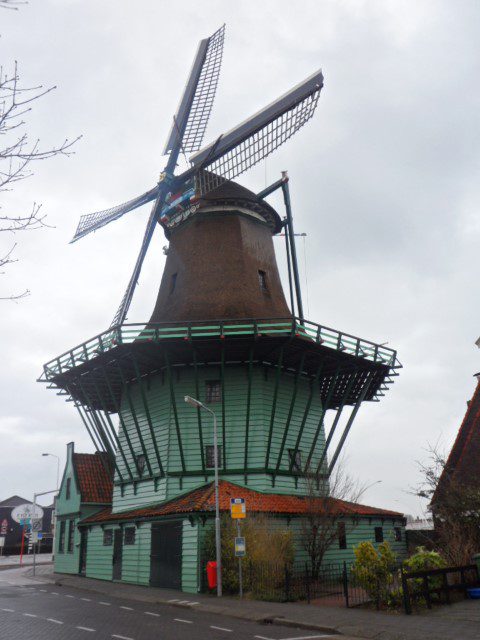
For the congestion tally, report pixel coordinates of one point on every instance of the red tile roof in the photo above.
(464, 459)
(95, 482)
(202, 500)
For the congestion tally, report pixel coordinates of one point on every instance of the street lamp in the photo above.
(199, 405)
(54, 514)
(58, 465)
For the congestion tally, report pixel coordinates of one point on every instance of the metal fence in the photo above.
(437, 585)
(333, 584)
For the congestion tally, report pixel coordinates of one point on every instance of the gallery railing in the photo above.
(221, 329)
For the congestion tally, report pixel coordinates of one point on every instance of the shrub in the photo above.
(423, 560)
(268, 551)
(373, 570)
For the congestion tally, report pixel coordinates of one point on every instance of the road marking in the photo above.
(69, 596)
(55, 621)
(44, 590)
(54, 593)
(181, 620)
(9, 610)
(107, 604)
(31, 615)
(84, 628)
(192, 603)
(85, 599)
(307, 637)
(263, 638)
(114, 635)
(173, 600)
(212, 626)
(150, 613)
(127, 608)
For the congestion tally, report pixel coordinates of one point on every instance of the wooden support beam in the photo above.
(290, 412)
(122, 422)
(274, 406)
(199, 413)
(222, 389)
(325, 407)
(313, 388)
(331, 433)
(126, 388)
(247, 417)
(141, 384)
(175, 412)
(113, 432)
(349, 424)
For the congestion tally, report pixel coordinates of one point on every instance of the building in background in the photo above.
(11, 528)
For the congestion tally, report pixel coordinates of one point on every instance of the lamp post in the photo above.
(58, 465)
(54, 514)
(199, 405)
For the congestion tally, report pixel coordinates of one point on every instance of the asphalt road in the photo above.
(36, 611)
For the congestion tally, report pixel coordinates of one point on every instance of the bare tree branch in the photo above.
(18, 152)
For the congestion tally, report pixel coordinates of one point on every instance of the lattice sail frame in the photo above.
(93, 221)
(205, 93)
(266, 133)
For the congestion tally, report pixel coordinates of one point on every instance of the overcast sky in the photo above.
(384, 180)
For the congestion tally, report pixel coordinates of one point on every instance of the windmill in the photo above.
(231, 154)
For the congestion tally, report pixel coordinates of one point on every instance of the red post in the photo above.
(21, 550)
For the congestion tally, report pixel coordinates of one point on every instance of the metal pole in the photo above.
(218, 545)
(35, 496)
(31, 533)
(240, 577)
(288, 208)
(289, 266)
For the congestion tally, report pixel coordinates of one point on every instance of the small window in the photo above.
(61, 537)
(398, 534)
(213, 390)
(71, 531)
(209, 456)
(262, 280)
(140, 460)
(378, 534)
(129, 536)
(68, 488)
(295, 456)
(107, 537)
(173, 282)
(342, 536)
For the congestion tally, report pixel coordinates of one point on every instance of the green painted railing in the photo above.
(157, 333)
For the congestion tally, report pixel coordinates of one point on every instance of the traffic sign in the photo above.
(240, 547)
(238, 508)
(27, 512)
(36, 525)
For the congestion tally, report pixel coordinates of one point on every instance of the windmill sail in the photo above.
(255, 138)
(93, 221)
(191, 119)
(150, 228)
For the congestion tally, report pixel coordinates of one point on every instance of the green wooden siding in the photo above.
(99, 556)
(293, 400)
(136, 557)
(190, 557)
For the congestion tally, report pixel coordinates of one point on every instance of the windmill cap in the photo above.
(231, 193)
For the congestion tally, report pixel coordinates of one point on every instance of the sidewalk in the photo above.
(460, 621)
(13, 562)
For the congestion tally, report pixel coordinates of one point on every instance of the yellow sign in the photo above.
(238, 508)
